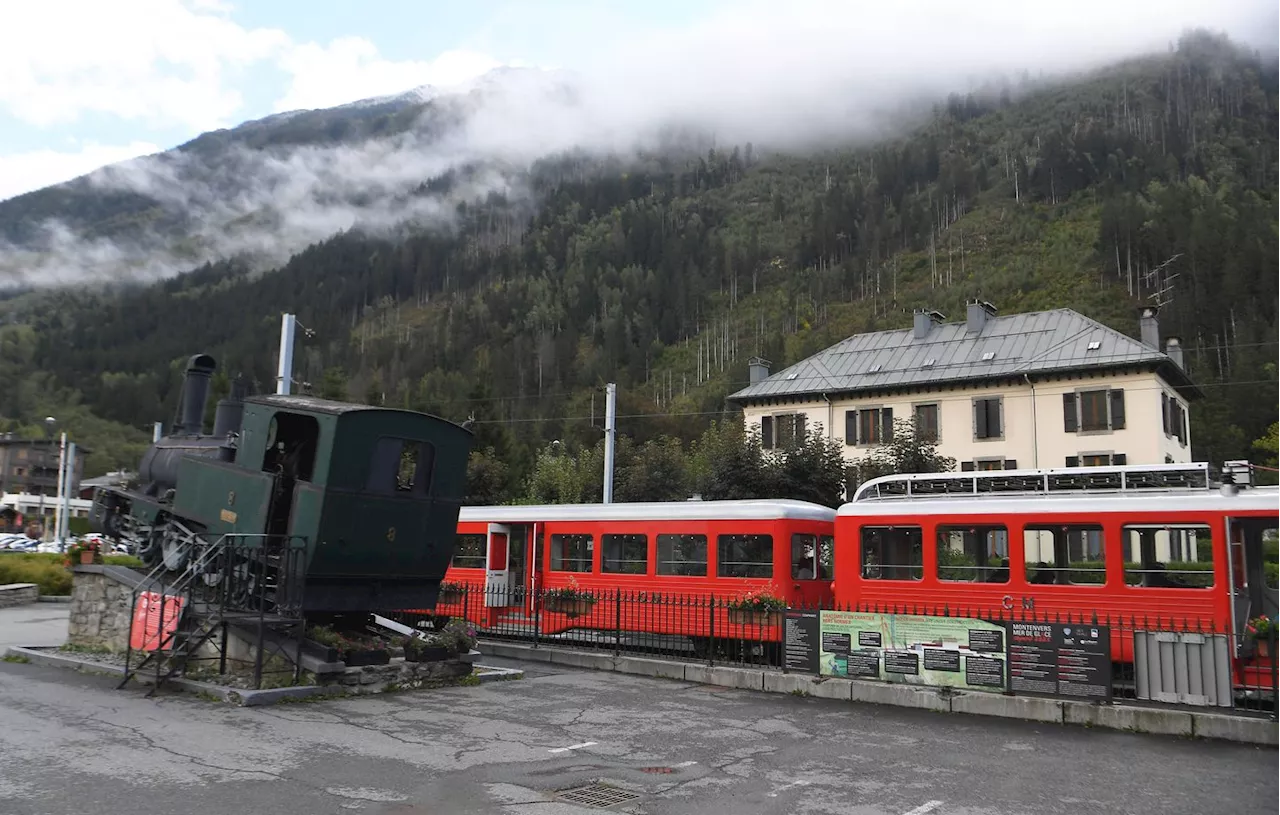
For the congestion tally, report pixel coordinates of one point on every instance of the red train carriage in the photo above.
(1153, 546)
(637, 567)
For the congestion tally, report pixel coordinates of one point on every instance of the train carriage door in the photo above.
(497, 592)
(1252, 544)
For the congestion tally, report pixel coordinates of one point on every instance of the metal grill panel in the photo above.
(1182, 668)
(598, 796)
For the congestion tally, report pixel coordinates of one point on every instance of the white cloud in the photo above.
(157, 61)
(350, 68)
(23, 172)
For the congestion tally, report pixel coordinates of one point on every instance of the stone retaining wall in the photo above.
(100, 607)
(17, 594)
(396, 674)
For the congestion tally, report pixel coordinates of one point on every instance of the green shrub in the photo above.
(45, 570)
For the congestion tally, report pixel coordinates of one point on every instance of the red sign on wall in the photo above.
(147, 631)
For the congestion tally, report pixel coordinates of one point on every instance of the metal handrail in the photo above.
(1128, 478)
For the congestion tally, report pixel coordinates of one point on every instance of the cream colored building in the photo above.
(1045, 389)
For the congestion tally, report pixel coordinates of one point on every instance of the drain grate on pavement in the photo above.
(598, 796)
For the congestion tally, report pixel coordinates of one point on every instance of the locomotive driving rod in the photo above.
(378, 619)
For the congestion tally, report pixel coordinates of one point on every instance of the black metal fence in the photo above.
(1166, 660)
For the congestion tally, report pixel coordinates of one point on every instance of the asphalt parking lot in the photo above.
(71, 743)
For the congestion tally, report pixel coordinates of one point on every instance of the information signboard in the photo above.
(913, 649)
(1060, 659)
(800, 632)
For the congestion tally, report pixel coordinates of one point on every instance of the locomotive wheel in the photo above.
(174, 554)
(150, 550)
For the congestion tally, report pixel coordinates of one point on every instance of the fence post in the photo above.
(711, 635)
(617, 622)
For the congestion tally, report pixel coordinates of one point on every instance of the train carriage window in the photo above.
(682, 555)
(1064, 554)
(892, 553)
(744, 556)
(973, 554)
(401, 466)
(468, 552)
(570, 553)
(1168, 555)
(624, 554)
(812, 556)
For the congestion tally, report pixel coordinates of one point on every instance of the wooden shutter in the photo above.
(851, 427)
(1164, 411)
(1073, 461)
(994, 429)
(980, 418)
(1117, 409)
(766, 432)
(886, 425)
(1011, 464)
(799, 436)
(1119, 459)
(1070, 421)
(966, 466)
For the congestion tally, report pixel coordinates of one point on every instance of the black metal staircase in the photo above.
(253, 583)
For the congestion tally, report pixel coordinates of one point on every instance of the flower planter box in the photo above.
(429, 653)
(743, 616)
(361, 658)
(86, 556)
(569, 606)
(449, 597)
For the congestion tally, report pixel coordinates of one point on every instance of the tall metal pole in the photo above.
(610, 431)
(62, 475)
(284, 375)
(68, 481)
(156, 432)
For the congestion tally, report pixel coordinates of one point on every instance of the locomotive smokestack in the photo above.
(230, 411)
(195, 392)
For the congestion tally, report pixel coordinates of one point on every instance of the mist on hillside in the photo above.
(793, 78)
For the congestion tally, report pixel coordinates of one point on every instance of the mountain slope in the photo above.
(664, 273)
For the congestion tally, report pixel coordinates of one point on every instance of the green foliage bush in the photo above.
(47, 570)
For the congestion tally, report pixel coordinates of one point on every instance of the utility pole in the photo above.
(157, 431)
(64, 527)
(610, 431)
(284, 373)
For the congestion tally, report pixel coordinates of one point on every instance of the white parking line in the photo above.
(774, 794)
(571, 747)
(928, 806)
(686, 764)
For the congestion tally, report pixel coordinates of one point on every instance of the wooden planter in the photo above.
(742, 616)
(449, 596)
(86, 556)
(429, 653)
(569, 606)
(357, 659)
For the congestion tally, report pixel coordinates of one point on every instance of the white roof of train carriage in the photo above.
(1251, 500)
(753, 510)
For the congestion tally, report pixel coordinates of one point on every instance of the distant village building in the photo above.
(1044, 389)
(31, 466)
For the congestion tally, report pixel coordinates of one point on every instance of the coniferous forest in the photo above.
(1151, 181)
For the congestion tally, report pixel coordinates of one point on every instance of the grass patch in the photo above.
(19, 658)
(48, 570)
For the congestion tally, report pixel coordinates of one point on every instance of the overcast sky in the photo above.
(86, 82)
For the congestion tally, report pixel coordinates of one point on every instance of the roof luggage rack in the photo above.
(1067, 480)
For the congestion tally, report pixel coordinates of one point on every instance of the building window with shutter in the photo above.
(868, 426)
(782, 432)
(988, 418)
(1099, 410)
(928, 426)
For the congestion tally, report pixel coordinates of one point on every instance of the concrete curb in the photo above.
(244, 697)
(1187, 723)
(18, 594)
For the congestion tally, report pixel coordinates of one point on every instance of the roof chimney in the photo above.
(759, 368)
(1173, 347)
(1150, 326)
(979, 312)
(925, 320)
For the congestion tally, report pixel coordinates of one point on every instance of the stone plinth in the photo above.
(100, 608)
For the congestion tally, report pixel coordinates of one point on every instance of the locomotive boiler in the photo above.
(371, 493)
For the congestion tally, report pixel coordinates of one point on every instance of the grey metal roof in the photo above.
(1037, 342)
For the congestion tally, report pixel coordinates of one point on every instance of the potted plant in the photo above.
(756, 607)
(82, 552)
(1262, 629)
(569, 600)
(450, 593)
(429, 648)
